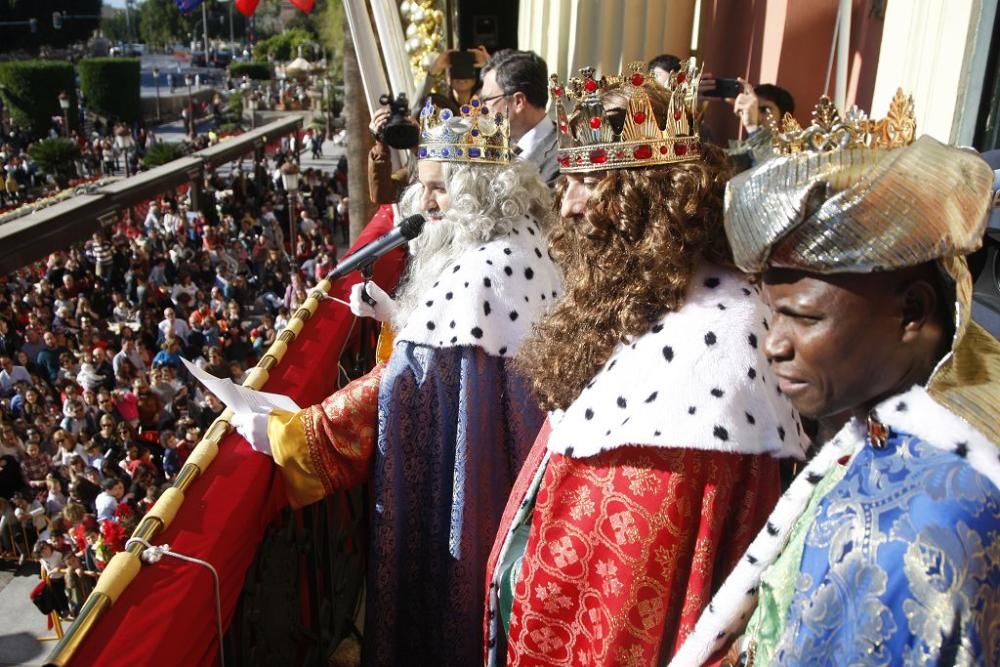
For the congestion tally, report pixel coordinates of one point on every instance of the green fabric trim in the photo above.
(777, 585)
(509, 568)
(511, 573)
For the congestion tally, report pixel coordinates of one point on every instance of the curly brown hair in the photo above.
(626, 262)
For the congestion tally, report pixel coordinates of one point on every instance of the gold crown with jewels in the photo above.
(472, 136)
(596, 145)
(829, 131)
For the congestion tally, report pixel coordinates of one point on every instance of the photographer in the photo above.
(459, 70)
(752, 106)
(384, 185)
(387, 127)
(754, 102)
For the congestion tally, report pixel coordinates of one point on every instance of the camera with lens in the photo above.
(399, 131)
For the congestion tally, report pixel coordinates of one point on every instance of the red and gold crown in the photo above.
(597, 146)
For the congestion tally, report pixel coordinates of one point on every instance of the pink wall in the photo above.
(786, 42)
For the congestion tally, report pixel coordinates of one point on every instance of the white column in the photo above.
(366, 47)
(391, 39)
(936, 50)
(843, 53)
(607, 34)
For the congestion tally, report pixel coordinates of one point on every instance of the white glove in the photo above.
(253, 427)
(384, 308)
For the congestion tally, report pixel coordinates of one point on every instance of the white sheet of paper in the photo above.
(241, 399)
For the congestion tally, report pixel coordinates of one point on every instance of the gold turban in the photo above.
(859, 196)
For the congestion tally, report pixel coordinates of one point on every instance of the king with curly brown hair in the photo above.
(659, 459)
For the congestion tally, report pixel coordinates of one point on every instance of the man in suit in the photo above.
(515, 83)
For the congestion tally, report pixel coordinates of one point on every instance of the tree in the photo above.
(111, 87)
(255, 71)
(57, 158)
(115, 26)
(162, 153)
(31, 89)
(330, 24)
(285, 46)
(161, 23)
(359, 141)
(73, 30)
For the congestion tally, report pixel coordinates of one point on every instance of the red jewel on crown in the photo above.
(600, 156)
(557, 91)
(639, 117)
(663, 150)
(680, 149)
(681, 78)
(595, 122)
(637, 79)
(643, 152)
(678, 115)
(590, 85)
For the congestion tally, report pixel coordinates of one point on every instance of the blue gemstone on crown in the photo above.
(465, 109)
(422, 153)
(485, 111)
(458, 151)
(474, 152)
(444, 152)
(445, 114)
(474, 133)
(475, 103)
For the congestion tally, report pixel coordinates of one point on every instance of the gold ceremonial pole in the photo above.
(125, 565)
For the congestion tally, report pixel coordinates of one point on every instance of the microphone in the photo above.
(407, 230)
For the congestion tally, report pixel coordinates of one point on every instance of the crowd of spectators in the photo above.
(97, 412)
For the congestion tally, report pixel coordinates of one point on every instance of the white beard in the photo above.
(444, 239)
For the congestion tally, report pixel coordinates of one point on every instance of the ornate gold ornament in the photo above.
(595, 143)
(829, 131)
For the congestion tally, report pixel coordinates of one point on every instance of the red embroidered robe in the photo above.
(617, 569)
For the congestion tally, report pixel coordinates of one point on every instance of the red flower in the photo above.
(123, 512)
(114, 535)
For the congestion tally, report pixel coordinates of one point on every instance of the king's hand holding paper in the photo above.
(253, 427)
(251, 408)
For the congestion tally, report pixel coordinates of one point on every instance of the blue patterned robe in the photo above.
(902, 564)
(454, 427)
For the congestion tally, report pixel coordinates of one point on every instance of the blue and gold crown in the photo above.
(473, 136)
(594, 144)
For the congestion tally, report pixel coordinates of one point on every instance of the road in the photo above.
(177, 66)
(22, 624)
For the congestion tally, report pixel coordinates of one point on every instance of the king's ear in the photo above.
(920, 307)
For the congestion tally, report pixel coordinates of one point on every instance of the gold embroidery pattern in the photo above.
(341, 432)
(636, 541)
(581, 503)
(939, 589)
(928, 508)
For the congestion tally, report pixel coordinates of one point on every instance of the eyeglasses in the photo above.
(487, 100)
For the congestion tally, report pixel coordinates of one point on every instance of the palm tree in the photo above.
(359, 141)
(57, 158)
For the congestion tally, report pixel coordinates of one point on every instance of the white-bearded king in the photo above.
(446, 419)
